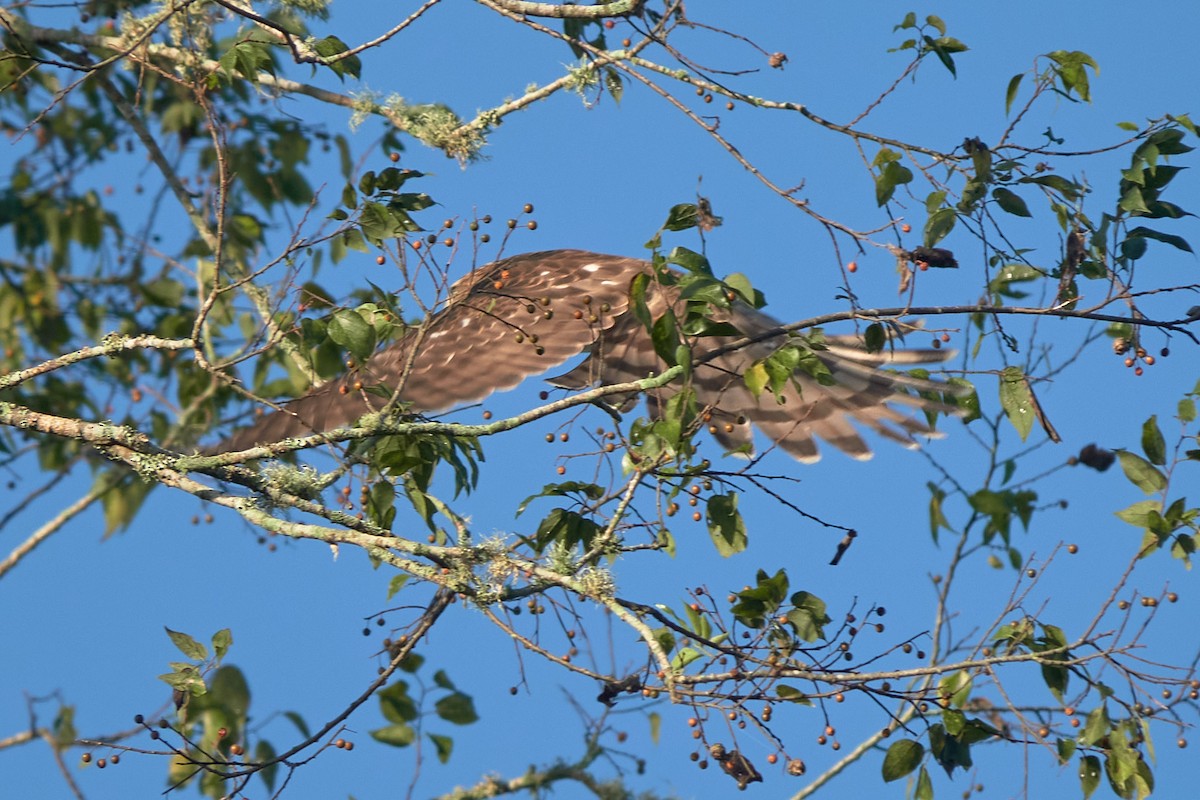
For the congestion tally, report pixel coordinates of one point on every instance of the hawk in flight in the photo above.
(528, 313)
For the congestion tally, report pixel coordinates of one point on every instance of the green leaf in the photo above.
(264, 754)
(1017, 400)
(614, 84)
(412, 663)
(586, 491)
(396, 704)
(398, 735)
(966, 402)
(655, 720)
(1132, 201)
(1011, 202)
(1056, 680)
(187, 645)
(783, 363)
(64, 729)
(458, 708)
(683, 357)
(808, 616)
(1000, 507)
(725, 524)
(756, 379)
(163, 292)
(972, 192)
(942, 47)
(1140, 513)
(744, 288)
(951, 45)
(121, 500)
(332, 46)
(185, 678)
(902, 757)
(1096, 727)
(229, 689)
(1178, 242)
(891, 176)
(1089, 775)
(1141, 473)
(755, 603)
(938, 226)
(685, 656)
(1013, 273)
(1067, 188)
(444, 746)
(1011, 93)
(874, 337)
(664, 333)
(937, 518)
(1153, 444)
(1072, 72)
(924, 790)
(682, 217)
(1186, 410)
(299, 722)
(1133, 247)
(885, 156)
(221, 642)
(951, 752)
(956, 688)
(348, 328)
(566, 527)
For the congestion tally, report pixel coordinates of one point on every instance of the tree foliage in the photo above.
(140, 324)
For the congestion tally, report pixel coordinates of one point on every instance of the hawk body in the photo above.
(526, 314)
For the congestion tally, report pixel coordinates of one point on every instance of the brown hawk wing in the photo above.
(528, 313)
(500, 324)
(861, 392)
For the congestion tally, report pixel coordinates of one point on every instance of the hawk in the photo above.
(525, 314)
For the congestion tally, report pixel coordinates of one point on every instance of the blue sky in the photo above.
(84, 617)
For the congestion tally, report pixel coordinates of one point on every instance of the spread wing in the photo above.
(526, 314)
(501, 324)
(860, 393)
